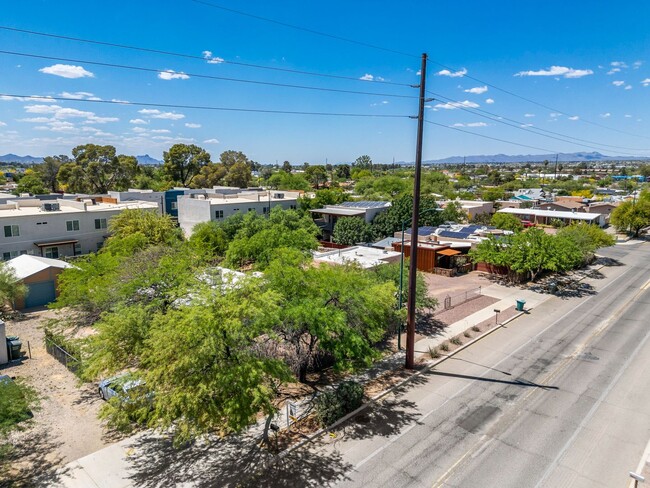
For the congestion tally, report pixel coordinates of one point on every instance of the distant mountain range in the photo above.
(533, 158)
(14, 158)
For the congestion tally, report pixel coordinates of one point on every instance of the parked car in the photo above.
(120, 386)
(528, 223)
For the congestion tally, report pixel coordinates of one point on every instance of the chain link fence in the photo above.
(61, 355)
(450, 301)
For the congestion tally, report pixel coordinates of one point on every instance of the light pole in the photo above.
(401, 273)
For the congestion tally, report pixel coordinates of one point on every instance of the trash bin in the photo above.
(520, 305)
(14, 345)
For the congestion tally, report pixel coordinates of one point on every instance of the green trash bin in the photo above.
(520, 305)
(14, 345)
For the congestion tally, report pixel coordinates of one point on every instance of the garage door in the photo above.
(40, 294)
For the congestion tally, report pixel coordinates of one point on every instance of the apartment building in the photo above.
(213, 205)
(61, 227)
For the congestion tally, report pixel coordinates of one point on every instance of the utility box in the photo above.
(4, 356)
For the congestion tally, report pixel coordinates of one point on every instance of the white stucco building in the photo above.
(197, 208)
(57, 228)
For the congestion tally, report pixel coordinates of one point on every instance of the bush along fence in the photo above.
(61, 354)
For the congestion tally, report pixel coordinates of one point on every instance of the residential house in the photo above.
(366, 257)
(196, 208)
(40, 275)
(326, 217)
(61, 227)
(545, 217)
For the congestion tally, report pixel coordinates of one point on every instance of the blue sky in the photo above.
(590, 60)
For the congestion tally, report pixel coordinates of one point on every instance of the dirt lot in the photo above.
(440, 286)
(65, 427)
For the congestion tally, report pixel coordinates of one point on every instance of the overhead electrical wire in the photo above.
(200, 107)
(534, 130)
(381, 48)
(195, 75)
(200, 58)
(550, 151)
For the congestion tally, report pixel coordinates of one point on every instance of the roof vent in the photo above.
(50, 207)
(278, 195)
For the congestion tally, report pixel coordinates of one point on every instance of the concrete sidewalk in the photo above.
(113, 466)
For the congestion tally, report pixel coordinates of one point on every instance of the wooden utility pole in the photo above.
(413, 267)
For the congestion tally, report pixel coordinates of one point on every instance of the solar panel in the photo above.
(363, 204)
(455, 235)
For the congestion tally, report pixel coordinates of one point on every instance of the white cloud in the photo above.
(489, 101)
(192, 126)
(33, 98)
(628, 87)
(59, 113)
(452, 74)
(367, 77)
(67, 71)
(139, 130)
(455, 105)
(605, 115)
(555, 114)
(170, 74)
(628, 116)
(529, 115)
(160, 131)
(212, 59)
(2, 124)
(558, 71)
(613, 70)
(211, 141)
(477, 90)
(646, 82)
(575, 117)
(637, 64)
(157, 114)
(79, 95)
(618, 83)
(471, 124)
(138, 121)
(618, 64)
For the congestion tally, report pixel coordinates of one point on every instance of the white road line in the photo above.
(592, 411)
(408, 429)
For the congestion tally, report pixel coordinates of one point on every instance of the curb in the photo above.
(427, 367)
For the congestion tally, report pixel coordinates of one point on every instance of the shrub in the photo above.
(456, 341)
(444, 346)
(332, 405)
(467, 334)
(476, 329)
(433, 352)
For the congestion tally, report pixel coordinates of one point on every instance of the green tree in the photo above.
(453, 212)
(363, 162)
(183, 162)
(288, 181)
(209, 175)
(31, 183)
(209, 240)
(351, 230)
(97, 169)
(340, 310)
(286, 167)
(11, 289)
(48, 170)
(230, 158)
(507, 221)
(343, 171)
(317, 175)
(401, 209)
(631, 216)
(239, 175)
(322, 198)
(153, 228)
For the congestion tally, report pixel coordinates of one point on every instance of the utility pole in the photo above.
(413, 268)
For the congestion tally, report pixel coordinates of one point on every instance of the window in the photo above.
(218, 214)
(99, 245)
(174, 206)
(6, 256)
(293, 207)
(12, 231)
(72, 225)
(52, 252)
(100, 223)
(77, 248)
(265, 210)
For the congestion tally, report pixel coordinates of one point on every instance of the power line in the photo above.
(534, 130)
(303, 29)
(195, 75)
(202, 107)
(490, 137)
(529, 100)
(200, 58)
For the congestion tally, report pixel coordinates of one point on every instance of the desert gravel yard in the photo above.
(65, 427)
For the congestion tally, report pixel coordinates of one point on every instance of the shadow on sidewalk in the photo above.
(234, 461)
(516, 382)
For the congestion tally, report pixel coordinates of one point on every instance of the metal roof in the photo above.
(343, 212)
(551, 213)
(365, 204)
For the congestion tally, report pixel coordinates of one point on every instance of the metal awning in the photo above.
(341, 212)
(448, 252)
(55, 243)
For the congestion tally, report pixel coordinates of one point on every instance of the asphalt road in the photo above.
(559, 398)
